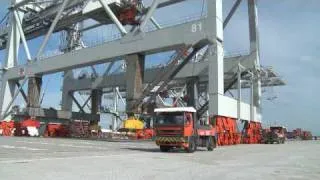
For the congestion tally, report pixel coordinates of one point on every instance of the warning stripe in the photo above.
(170, 139)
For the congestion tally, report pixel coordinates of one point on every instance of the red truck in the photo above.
(178, 127)
(276, 134)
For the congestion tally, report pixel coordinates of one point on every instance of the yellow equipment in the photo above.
(132, 123)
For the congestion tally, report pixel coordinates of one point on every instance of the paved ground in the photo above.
(36, 158)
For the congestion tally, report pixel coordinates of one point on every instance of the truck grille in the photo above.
(169, 132)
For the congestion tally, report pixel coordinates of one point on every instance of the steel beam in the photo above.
(149, 14)
(115, 108)
(192, 92)
(66, 103)
(171, 74)
(199, 69)
(22, 3)
(110, 65)
(155, 23)
(113, 16)
(7, 91)
(86, 102)
(251, 99)
(96, 97)
(254, 49)
(23, 38)
(55, 114)
(52, 27)
(231, 13)
(164, 3)
(175, 37)
(4, 114)
(94, 71)
(34, 91)
(153, 20)
(134, 80)
(32, 31)
(239, 91)
(179, 95)
(77, 103)
(216, 57)
(90, 27)
(120, 96)
(22, 92)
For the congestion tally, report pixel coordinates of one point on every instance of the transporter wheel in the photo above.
(210, 143)
(192, 145)
(165, 148)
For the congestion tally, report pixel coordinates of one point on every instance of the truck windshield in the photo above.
(176, 118)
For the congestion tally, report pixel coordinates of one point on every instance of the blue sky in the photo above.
(288, 42)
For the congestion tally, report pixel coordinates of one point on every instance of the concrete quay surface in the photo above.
(71, 159)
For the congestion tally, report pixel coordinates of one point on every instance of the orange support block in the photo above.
(252, 133)
(227, 131)
(57, 130)
(7, 128)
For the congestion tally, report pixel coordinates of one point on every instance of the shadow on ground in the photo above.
(157, 150)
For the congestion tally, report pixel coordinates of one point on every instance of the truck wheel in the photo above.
(192, 145)
(210, 143)
(164, 148)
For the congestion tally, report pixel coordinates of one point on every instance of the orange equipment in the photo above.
(177, 127)
(30, 122)
(127, 16)
(227, 131)
(135, 128)
(144, 134)
(7, 128)
(57, 130)
(21, 127)
(252, 133)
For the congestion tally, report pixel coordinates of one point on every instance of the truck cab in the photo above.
(177, 127)
(276, 134)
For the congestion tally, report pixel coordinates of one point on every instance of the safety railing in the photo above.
(93, 41)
